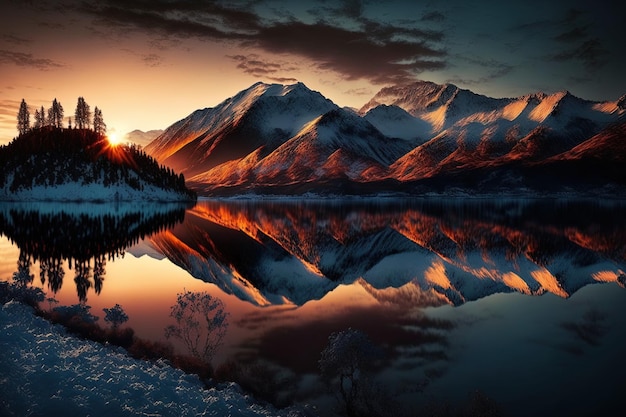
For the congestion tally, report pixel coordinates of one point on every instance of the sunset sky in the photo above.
(149, 63)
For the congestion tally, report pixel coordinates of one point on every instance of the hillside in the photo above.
(73, 165)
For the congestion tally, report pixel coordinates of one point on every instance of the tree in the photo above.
(201, 323)
(55, 114)
(40, 118)
(98, 122)
(23, 118)
(345, 363)
(77, 312)
(115, 315)
(82, 115)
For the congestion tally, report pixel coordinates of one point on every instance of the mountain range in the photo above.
(421, 137)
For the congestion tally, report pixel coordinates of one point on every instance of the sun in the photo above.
(114, 139)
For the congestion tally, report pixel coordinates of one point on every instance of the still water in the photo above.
(520, 300)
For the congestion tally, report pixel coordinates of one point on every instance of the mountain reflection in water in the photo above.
(442, 252)
(402, 271)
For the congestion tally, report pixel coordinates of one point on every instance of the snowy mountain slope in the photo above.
(309, 154)
(288, 139)
(395, 122)
(439, 105)
(336, 144)
(527, 129)
(264, 115)
(610, 144)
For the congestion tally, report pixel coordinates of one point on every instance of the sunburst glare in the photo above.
(114, 139)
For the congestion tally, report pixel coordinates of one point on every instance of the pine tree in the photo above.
(23, 118)
(82, 114)
(55, 114)
(98, 122)
(40, 118)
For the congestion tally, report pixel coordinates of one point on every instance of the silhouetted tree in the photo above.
(98, 122)
(23, 118)
(40, 118)
(345, 364)
(82, 115)
(22, 276)
(55, 114)
(115, 315)
(201, 323)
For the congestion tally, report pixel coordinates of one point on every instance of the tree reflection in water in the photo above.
(85, 236)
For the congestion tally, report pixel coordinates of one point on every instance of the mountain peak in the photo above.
(413, 97)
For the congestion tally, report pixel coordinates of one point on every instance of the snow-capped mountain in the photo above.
(259, 118)
(289, 139)
(142, 138)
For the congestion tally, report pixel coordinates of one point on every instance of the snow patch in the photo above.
(47, 372)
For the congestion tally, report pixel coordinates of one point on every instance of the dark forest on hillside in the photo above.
(52, 156)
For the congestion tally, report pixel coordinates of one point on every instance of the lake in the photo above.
(517, 302)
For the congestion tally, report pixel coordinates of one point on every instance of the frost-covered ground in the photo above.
(46, 372)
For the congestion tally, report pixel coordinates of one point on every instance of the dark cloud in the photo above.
(14, 40)
(493, 70)
(353, 54)
(146, 19)
(433, 17)
(579, 45)
(352, 9)
(22, 59)
(8, 115)
(367, 49)
(414, 338)
(591, 53)
(150, 60)
(573, 35)
(360, 92)
(574, 41)
(253, 65)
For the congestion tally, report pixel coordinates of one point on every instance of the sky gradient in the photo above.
(149, 63)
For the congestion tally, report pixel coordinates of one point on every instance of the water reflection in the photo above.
(403, 272)
(438, 252)
(85, 236)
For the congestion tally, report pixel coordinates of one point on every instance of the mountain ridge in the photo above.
(273, 137)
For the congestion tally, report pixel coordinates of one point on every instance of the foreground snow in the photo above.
(44, 371)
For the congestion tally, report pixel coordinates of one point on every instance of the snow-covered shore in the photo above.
(44, 372)
(74, 191)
